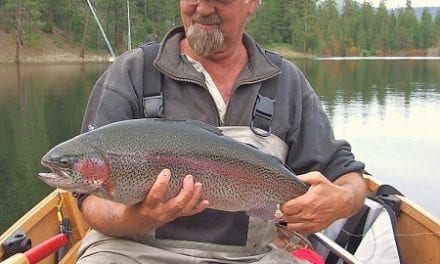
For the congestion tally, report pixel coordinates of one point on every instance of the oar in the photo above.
(39, 252)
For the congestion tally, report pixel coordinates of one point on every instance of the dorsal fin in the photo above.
(205, 126)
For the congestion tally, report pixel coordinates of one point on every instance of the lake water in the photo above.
(388, 110)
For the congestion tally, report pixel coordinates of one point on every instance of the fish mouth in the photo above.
(56, 176)
(60, 180)
(47, 175)
(57, 179)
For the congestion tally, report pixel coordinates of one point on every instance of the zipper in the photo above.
(260, 80)
(203, 86)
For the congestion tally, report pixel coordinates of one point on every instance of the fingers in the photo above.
(310, 212)
(154, 211)
(293, 214)
(313, 178)
(196, 205)
(294, 206)
(179, 205)
(304, 220)
(158, 189)
(188, 201)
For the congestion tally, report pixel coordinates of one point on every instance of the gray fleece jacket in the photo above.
(298, 119)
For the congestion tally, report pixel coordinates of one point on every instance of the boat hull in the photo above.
(418, 231)
(42, 223)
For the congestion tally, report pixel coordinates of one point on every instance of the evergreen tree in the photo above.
(427, 29)
(437, 30)
(380, 30)
(314, 26)
(272, 23)
(349, 33)
(365, 28)
(406, 31)
(329, 33)
(303, 13)
(393, 30)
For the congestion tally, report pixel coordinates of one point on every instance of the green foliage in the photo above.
(329, 29)
(272, 23)
(309, 26)
(427, 30)
(7, 15)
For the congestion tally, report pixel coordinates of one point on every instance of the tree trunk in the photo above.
(85, 34)
(118, 29)
(18, 29)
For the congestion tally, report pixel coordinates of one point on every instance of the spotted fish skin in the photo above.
(121, 161)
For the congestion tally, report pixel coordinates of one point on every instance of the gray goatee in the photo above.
(205, 42)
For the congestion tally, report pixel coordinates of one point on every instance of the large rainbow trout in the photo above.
(121, 161)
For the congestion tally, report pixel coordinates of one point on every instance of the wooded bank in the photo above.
(314, 27)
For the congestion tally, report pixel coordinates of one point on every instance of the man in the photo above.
(212, 71)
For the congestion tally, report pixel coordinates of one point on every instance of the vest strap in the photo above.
(152, 99)
(263, 111)
(153, 102)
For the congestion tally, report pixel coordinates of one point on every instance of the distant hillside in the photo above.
(53, 47)
(419, 11)
(434, 10)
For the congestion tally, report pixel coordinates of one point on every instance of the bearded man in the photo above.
(212, 71)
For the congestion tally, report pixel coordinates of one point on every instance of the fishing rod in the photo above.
(102, 29)
(129, 25)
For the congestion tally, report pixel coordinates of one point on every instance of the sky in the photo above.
(402, 3)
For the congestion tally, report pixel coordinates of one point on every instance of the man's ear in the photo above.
(253, 6)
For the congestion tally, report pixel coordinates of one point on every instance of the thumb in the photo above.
(312, 178)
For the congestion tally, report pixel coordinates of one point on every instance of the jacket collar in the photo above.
(170, 62)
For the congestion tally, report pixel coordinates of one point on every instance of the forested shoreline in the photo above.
(320, 28)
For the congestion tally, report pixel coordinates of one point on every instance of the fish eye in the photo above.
(67, 161)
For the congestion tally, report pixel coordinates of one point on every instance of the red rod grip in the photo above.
(46, 248)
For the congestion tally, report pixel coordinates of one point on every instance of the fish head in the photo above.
(76, 167)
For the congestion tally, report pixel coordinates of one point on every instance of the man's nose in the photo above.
(205, 7)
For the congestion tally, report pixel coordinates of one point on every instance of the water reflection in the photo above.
(388, 110)
(40, 105)
(365, 81)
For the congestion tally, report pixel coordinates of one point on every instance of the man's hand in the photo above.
(117, 219)
(153, 211)
(324, 202)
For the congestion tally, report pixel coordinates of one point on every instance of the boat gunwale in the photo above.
(415, 218)
(45, 208)
(410, 208)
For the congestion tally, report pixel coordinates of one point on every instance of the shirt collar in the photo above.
(174, 65)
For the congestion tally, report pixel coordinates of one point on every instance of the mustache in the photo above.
(206, 20)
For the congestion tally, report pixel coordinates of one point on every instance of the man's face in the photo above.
(216, 25)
